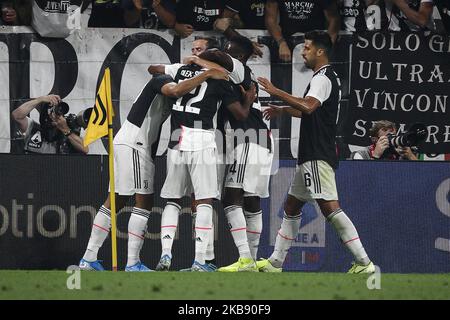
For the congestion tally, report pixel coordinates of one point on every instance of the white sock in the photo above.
(137, 226)
(203, 226)
(254, 229)
(100, 230)
(349, 236)
(238, 229)
(169, 224)
(287, 233)
(209, 255)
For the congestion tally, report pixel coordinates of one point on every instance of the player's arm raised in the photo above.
(273, 111)
(217, 57)
(155, 69)
(234, 66)
(177, 90)
(306, 105)
(240, 110)
(203, 63)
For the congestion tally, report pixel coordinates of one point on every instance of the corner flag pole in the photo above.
(101, 124)
(112, 195)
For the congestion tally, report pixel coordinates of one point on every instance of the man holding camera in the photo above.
(381, 134)
(52, 135)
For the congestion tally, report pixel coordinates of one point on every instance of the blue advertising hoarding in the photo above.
(400, 209)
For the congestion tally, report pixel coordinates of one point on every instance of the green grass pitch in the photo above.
(211, 286)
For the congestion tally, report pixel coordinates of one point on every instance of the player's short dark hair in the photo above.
(211, 43)
(320, 39)
(158, 81)
(242, 46)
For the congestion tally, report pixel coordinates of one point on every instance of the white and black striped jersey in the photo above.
(318, 129)
(193, 116)
(254, 127)
(352, 14)
(142, 128)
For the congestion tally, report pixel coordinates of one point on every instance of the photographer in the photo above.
(380, 147)
(52, 135)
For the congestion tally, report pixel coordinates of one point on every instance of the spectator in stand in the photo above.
(197, 15)
(113, 14)
(443, 7)
(410, 15)
(152, 14)
(242, 15)
(16, 12)
(246, 14)
(296, 16)
(360, 15)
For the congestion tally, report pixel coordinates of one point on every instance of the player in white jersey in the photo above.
(247, 178)
(317, 160)
(169, 219)
(191, 159)
(135, 147)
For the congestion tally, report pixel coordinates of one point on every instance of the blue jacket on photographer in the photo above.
(387, 145)
(55, 133)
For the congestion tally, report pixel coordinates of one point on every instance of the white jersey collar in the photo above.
(322, 67)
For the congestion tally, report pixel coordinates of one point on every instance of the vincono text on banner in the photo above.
(404, 78)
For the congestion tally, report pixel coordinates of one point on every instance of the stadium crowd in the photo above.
(228, 15)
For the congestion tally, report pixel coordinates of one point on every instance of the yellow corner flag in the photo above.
(100, 124)
(98, 121)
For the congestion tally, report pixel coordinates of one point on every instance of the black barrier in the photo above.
(47, 205)
(403, 78)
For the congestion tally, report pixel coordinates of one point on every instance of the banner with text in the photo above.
(403, 78)
(32, 66)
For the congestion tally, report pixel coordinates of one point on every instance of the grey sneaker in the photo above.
(207, 267)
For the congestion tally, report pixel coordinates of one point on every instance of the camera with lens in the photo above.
(60, 109)
(78, 121)
(411, 138)
(74, 121)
